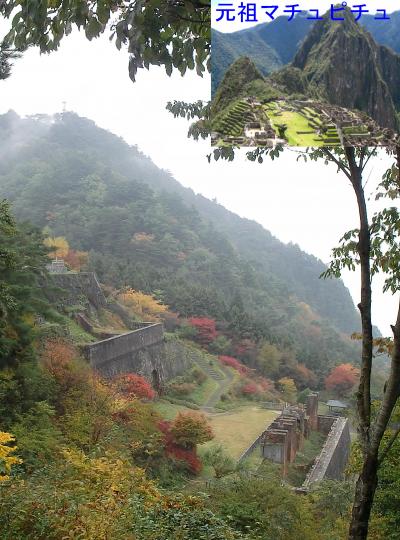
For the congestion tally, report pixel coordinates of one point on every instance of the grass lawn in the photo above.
(169, 410)
(201, 394)
(236, 430)
(295, 122)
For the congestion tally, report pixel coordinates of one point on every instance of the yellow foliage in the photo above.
(6, 459)
(59, 245)
(143, 305)
(106, 483)
(289, 389)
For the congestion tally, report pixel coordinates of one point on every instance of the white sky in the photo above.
(308, 204)
(323, 5)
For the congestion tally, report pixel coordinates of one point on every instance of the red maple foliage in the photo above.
(246, 349)
(342, 378)
(206, 330)
(234, 363)
(133, 385)
(250, 389)
(188, 456)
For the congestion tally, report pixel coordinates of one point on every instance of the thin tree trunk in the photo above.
(367, 481)
(364, 498)
(364, 251)
(371, 437)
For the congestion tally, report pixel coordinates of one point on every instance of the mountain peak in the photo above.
(345, 67)
(242, 72)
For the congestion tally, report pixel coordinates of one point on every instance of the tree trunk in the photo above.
(364, 497)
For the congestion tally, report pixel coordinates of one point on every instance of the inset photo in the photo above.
(309, 74)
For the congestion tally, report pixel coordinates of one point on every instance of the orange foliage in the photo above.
(133, 385)
(190, 429)
(76, 259)
(140, 237)
(304, 377)
(60, 359)
(56, 356)
(342, 378)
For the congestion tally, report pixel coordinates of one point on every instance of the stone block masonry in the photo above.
(77, 288)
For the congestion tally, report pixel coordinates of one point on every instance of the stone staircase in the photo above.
(209, 369)
(222, 377)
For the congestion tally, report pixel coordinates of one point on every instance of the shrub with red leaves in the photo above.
(133, 385)
(188, 456)
(206, 330)
(250, 389)
(234, 363)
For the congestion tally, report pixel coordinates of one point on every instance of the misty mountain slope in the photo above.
(143, 229)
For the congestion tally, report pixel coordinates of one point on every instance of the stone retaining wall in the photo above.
(143, 351)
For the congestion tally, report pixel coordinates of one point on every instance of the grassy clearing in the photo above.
(202, 393)
(295, 122)
(77, 333)
(236, 430)
(168, 410)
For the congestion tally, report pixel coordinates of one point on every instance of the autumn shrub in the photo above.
(246, 349)
(76, 260)
(7, 457)
(288, 388)
(206, 331)
(181, 389)
(134, 385)
(189, 429)
(57, 358)
(250, 389)
(198, 376)
(188, 456)
(234, 363)
(144, 306)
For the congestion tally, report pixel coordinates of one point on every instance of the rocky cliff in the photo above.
(345, 66)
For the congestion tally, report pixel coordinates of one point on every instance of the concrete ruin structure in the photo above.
(285, 436)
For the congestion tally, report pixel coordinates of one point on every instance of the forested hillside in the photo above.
(143, 230)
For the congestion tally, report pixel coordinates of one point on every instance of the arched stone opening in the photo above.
(156, 381)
